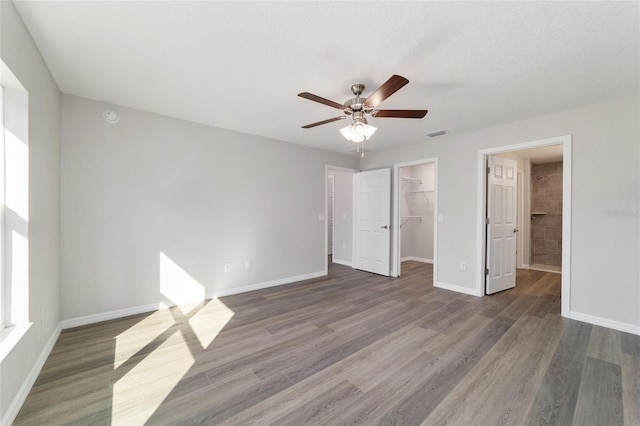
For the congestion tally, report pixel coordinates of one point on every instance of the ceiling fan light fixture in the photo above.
(369, 131)
(358, 132)
(359, 128)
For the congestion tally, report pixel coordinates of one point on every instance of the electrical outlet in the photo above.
(227, 266)
(463, 266)
(247, 264)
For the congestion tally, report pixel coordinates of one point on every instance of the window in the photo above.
(14, 210)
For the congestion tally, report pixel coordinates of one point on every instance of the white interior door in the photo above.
(373, 220)
(501, 228)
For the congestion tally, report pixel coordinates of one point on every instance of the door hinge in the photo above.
(488, 170)
(486, 271)
(487, 221)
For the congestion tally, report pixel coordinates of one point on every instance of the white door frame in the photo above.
(328, 167)
(520, 220)
(565, 141)
(395, 230)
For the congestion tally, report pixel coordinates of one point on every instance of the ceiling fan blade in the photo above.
(400, 113)
(308, 126)
(390, 87)
(317, 98)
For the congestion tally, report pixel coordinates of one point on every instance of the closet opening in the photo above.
(415, 214)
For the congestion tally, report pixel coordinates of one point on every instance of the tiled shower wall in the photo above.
(546, 196)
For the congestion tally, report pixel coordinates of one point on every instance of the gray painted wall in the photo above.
(202, 196)
(605, 275)
(20, 54)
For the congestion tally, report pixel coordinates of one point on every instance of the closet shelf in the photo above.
(405, 219)
(410, 179)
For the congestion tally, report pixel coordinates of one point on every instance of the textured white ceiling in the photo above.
(240, 65)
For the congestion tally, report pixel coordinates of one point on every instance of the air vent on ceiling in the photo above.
(438, 133)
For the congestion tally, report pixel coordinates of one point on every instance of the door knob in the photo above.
(515, 229)
(384, 227)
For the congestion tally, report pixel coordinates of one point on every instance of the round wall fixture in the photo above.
(110, 116)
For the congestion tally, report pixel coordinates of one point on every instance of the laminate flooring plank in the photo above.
(556, 398)
(477, 346)
(434, 318)
(495, 304)
(467, 329)
(374, 404)
(532, 333)
(300, 354)
(600, 397)
(391, 307)
(66, 389)
(415, 311)
(270, 410)
(445, 323)
(540, 305)
(630, 344)
(238, 363)
(518, 307)
(631, 389)
(326, 358)
(384, 358)
(605, 344)
(69, 410)
(416, 406)
(312, 412)
(214, 404)
(470, 402)
(501, 387)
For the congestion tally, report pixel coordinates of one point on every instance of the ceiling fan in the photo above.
(358, 108)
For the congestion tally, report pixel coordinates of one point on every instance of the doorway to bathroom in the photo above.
(537, 206)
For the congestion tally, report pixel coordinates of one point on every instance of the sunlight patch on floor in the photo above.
(209, 321)
(138, 394)
(132, 340)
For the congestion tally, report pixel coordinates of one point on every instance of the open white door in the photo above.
(501, 228)
(373, 220)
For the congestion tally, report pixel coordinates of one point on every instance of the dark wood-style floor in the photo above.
(344, 349)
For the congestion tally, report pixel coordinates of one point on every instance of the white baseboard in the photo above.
(342, 262)
(134, 310)
(15, 405)
(109, 315)
(416, 259)
(603, 322)
(457, 288)
(265, 284)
